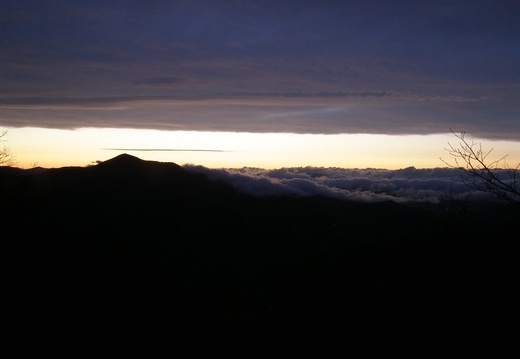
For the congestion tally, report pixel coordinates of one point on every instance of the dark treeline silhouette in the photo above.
(133, 259)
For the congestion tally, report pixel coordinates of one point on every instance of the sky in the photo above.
(268, 84)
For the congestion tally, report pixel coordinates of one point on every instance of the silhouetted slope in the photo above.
(133, 258)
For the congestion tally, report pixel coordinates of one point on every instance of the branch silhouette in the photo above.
(6, 156)
(482, 174)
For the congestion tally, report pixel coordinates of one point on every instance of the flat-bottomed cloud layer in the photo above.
(262, 66)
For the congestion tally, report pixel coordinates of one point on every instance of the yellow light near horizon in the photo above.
(58, 148)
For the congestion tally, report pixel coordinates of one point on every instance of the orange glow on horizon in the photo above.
(58, 148)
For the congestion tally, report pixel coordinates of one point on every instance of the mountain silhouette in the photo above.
(126, 163)
(134, 258)
(123, 160)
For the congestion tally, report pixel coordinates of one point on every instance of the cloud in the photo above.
(361, 43)
(284, 112)
(160, 81)
(337, 67)
(163, 150)
(409, 185)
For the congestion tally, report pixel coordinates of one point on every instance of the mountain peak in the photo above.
(126, 162)
(124, 158)
(122, 161)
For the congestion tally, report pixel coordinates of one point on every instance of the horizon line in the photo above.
(162, 150)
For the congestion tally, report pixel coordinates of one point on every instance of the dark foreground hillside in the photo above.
(137, 259)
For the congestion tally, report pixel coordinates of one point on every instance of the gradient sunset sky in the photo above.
(266, 84)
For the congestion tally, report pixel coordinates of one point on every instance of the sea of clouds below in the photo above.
(366, 185)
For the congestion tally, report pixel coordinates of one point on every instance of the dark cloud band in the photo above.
(304, 113)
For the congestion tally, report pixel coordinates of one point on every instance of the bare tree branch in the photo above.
(482, 174)
(6, 156)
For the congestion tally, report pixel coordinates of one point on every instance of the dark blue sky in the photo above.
(455, 63)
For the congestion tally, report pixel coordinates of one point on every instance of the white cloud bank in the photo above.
(366, 185)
